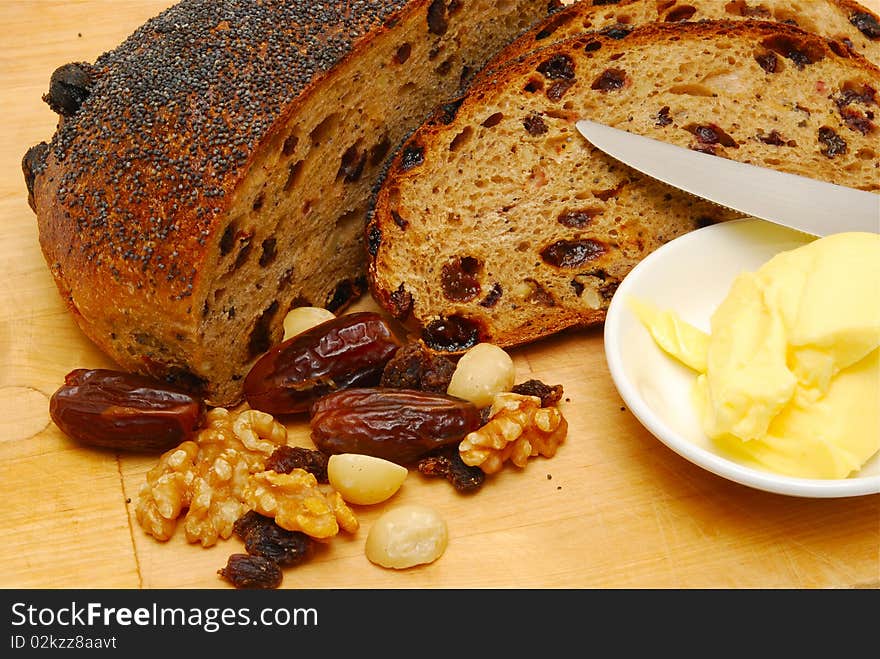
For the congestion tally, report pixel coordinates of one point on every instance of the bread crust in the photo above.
(401, 213)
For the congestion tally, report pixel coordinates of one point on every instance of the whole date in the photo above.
(347, 351)
(124, 411)
(401, 425)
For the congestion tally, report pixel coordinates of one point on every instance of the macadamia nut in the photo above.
(364, 479)
(299, 319)
(406, 536)
(482, 372)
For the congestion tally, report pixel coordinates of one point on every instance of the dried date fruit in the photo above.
(123, 411)
(348, 351)
(400, 425)
(447, 463)
(246, 571)
(285, 459)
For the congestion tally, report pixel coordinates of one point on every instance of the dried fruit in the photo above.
(400, 425)
(123, 411)
(246, 571)
(414, 366)
(350, 350)
(452, 334)
(573, 253)
(460, 278)
(287, 458)
(263, 537)
(448, 464)
(549, 394)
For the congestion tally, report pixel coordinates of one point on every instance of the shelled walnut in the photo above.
(299, 503)
(206, 477)
(518, 428)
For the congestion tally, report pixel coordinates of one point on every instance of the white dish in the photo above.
(692, 275)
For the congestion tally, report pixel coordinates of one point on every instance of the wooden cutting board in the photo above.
(613, 509)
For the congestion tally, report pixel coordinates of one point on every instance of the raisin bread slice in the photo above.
(498, 222)
(215, 169)
(852, 25)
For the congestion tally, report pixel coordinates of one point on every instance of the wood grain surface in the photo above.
(614, 508)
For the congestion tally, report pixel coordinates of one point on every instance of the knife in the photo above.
(798, 202)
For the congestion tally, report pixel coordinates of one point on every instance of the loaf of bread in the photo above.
(215, 169)
(498, 222)
(855, 27)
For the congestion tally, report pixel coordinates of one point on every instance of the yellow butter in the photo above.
(789, 376)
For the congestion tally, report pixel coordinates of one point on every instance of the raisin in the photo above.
(349, 350)
(856, 121)
(33, 162)
(534, 124)
(711, 134)
(250, 520)
(867, 24)
(578, 219)
(380, 150)
(401, 303)
(399, 221)
(286, 548)
(413, 156)
(832, 143)
(452, 334)
(767, 61)
(557, 90)
(773, 138)
(268, 252)
(261, 338)
(801, 53)
(414, 366)
(573, 253)
(345, 292)
(663, 118)
(449, 465)
(438, 22)
(69, 87)
(492, 296)
(352, 165)
(123, 411)
(246, 571)
(549, 395)
(460, 279)
(610, 80)
(285, 459)
(538, 294)
(400, 425)
(558, 67)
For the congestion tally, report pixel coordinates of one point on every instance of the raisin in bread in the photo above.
(854, 26)
(215, 169)
(498, 222)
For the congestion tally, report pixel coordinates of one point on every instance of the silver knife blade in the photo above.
(798, 202)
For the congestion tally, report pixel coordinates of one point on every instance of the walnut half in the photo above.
(518, 428)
